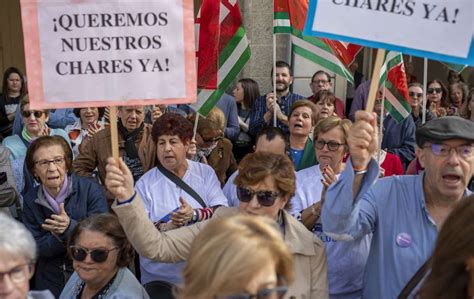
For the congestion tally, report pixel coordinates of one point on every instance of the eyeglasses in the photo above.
(332, 145)
(264, 198)
(27, 114)
(98, 255)
(433, 90)
(44, 164)
(262, 294)
(320, 81)
(415, 94)
(444, 150)
(19, 273)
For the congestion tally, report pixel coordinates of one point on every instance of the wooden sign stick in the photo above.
(113, 132)
(375, 80)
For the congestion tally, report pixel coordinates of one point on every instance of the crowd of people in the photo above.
(322, 205)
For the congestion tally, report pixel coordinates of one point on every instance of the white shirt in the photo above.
(161, 196)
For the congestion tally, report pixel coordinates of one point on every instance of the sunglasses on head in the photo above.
(415, 94)
(433, 90)
(98, 255)
(27, 114)
(264, 198)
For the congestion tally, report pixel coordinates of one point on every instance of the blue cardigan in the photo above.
(85, 197)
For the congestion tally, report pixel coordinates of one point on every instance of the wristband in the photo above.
(128, 200)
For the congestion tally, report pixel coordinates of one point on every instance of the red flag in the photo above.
(208, 48)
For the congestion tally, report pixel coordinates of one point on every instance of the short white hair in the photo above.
(15, 239)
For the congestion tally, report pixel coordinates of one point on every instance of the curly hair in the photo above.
(108, 225)
(172, 124)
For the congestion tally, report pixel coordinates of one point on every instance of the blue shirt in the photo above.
(260, 108)
(394, 210)
(346, 260)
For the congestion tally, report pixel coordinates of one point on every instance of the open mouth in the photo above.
(451, 178)
(53, 178)
(298, 125)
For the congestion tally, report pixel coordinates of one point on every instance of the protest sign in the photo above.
(82, 53)
(437, 29)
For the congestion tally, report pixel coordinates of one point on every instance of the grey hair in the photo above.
(15, 239)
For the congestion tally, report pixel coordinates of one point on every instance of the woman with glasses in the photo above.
(437, 94)
(53, 207)
(101, 253)
(415, 91)
(265, 184)
(212, 147)
(253, 262)
(300, 124)
(17, 261)
(34, 126)
(346, 260)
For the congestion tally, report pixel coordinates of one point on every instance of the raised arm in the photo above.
(172, 246)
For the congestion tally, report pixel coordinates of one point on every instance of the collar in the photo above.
(41, 198)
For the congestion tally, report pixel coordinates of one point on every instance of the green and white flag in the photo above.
(234, 52)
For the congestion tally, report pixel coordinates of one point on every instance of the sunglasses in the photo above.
(262, 294)
(415, 94)
(265, 198)
(27, 114)
(79, 254)
(433, 90)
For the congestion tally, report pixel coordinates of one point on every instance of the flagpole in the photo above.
(425, 79)
(195, 125)
(374, 84)
(275, 98)
(382, 112)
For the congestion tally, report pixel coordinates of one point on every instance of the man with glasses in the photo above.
(322, 81)
(17, 260)
(404, 213)
(262, 112)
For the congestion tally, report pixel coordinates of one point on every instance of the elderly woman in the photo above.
(88, 124)
(13, 89)
(169, 204)
(53, 208)
(457, 94)
(468, 106)
(346, 260)
(265, 184)
(101, 253)
(17, 261)
(253, 262)
(212, 147)
(300, 123)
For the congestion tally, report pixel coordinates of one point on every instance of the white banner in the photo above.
(439, 29)
(109, 52)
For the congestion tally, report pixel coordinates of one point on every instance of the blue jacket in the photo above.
(85, 197)
(399, 138)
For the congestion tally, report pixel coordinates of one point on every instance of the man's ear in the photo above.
(420, 155)
(291, 80)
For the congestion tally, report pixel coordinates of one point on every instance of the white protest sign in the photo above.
(438, 29)
(82, 53)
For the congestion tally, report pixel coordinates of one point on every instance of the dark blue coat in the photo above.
(85, 197)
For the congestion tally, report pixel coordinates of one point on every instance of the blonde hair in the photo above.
(228, 253)
(330, 123)
(310, 105)
(217, 116)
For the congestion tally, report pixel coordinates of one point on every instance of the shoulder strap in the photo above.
(175, 179)
(413, 282)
